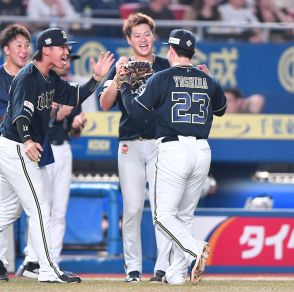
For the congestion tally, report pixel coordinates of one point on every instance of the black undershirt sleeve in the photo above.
(87, 89)
(23, 129)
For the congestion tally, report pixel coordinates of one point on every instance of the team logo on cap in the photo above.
(175, 41)
(48, 41)
(189, 43)
(64, 34)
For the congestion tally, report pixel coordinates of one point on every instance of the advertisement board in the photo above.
(244, 241)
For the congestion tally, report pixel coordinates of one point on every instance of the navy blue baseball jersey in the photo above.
(5, 81)
(183, 98)
(143, 126)
(31, 96)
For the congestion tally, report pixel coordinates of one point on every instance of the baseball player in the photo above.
(184, 100)
(24, 142)
(15, 42)
(68, 119)
(136, 152)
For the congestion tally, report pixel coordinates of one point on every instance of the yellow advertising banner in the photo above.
(230, 126)
(102, 124)
(251, 126)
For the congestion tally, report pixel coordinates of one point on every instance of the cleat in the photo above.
(134, 276)
(3, 272)
(30, 270)
(198, 265)
(159, 277)
(63, 279)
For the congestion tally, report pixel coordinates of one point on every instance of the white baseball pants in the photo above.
(181, 169)
(60, 174)
(136, 165)
(22, 179)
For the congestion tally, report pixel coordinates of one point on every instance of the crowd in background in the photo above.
(234, 11)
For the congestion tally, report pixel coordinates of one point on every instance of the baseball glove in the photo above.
(137, 73)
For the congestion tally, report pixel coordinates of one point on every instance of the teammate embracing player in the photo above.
(137, 151)
(184, 100)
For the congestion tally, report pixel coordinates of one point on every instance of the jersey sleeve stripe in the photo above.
(21, 116)
(215, 111)
(141, 104)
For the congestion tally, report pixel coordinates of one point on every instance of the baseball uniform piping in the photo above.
(39, 210)
(160, 224)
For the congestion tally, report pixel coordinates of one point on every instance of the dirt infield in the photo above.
(113, 283)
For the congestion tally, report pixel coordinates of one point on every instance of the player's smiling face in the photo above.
(18, 51)
(141, 40)
(59, 56)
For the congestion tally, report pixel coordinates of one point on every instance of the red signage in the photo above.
(253, 241)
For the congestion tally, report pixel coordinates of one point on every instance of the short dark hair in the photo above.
(38, 55)
(10, 33)
(137, 19)
(182, 52)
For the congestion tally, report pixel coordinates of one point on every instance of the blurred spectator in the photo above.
(286, 4)
(234, 11)
(236, 103)
(12, 7)
(158, 10)
(97, 9)
(81, 5)
(204, 10)
(186, 2)
(267, 11)
(50, 9)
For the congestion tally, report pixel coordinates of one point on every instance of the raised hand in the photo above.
(103, 65)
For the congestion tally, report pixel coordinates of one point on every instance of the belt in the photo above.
(143, 138)
(57, 142)
(174, 138)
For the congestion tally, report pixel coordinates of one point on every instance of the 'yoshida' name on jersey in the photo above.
(184, 100)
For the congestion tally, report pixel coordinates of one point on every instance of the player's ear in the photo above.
(171, 51)
(6, 50)
(46, 51)
(129, 41)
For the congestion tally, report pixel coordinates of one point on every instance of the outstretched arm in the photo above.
(102, 66)
(109, 94)
(100, 69)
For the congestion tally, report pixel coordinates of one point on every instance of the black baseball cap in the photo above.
(183, 39)
(52, 37)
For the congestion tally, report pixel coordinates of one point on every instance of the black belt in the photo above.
(143, 138)
(174, 138)
(57, 142)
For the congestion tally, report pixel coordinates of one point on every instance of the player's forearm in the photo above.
(108, 96)
(133, 107)
(87, 89)
(23, 129)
